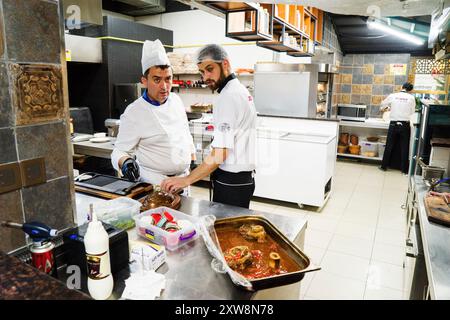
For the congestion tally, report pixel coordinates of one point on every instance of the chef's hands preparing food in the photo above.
(211, 163)
(130, 169)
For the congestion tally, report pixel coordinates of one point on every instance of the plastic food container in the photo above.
(381, 148)
(171, 240)
(118, 212)
(369, 149)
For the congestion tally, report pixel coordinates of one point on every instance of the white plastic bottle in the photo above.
(96, 242)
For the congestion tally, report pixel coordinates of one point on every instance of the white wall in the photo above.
(197, 27)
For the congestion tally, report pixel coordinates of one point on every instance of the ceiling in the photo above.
(356, 37)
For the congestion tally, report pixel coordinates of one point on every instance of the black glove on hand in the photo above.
(130, 170)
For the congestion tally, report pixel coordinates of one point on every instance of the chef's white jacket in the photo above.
(159, 137)
(234, 118)
(402, 104)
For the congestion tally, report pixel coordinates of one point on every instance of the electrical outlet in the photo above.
(33, 172)
(10, 178)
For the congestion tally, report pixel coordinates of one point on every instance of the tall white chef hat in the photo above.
(153, 54)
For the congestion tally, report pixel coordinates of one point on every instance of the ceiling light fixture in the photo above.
(400, 34)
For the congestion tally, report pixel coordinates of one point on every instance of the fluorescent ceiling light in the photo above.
(400, 34)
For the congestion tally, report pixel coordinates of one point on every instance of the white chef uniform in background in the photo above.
(159, 136)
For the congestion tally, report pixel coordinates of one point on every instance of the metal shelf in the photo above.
(225, 6)
(248, 36)
(349, 155)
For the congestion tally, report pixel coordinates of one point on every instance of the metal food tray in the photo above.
(284, 243)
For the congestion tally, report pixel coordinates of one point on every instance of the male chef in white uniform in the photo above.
(402, 106)
(232, 159)
(154, 128)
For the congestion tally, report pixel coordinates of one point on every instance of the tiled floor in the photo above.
(358, 238)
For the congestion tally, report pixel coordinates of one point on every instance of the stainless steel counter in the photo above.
(101, 150)
(188, 272)
(436, 247)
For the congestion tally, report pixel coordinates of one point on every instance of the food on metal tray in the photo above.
(239, 257)
(253, 259)
(253, 232)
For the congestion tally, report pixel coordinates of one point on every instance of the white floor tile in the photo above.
(389, 254)
(288, 211)
(322, 223)
(386, 275)
(363, 208)
(305, 283)
(390, 237)
(345, 265)
(355, 230)
(314, 253)
(361, 217)
(327, 286)
(382, 293)
(262, 207)
(351, 246)
(318, 238)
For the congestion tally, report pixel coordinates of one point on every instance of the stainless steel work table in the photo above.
(101, 150)
(436, 247)
(188, 270)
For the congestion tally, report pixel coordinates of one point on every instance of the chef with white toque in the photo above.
(154, 141)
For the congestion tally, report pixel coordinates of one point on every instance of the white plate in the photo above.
(99, 140)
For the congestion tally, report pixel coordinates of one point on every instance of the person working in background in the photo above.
(401, 105)
(232, 159)
(155, 126)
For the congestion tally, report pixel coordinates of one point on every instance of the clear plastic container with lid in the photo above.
(118, 212)
(147, 229)
(369, 149)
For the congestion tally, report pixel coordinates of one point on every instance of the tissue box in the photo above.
(151, 255)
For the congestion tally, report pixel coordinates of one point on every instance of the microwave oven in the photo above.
(351, 112)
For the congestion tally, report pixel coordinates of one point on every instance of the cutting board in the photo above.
(134, 193)
(437, 210)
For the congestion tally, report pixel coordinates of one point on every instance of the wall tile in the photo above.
(376, 100)
(366, 89)
(397, 88)
(11, 210)
(357, 79)
(8, 151)
(345, 98)
(32, 31)
(358, 60)
(377, 89)
(45, 141)
(357, 70)
(348, 59)
(378, 69)
(368, 69)
(346, 70)
(346, 79)
(378, 79)
(356, 89)
(355, 98)
(369, 58)
(367, 79)
(346, 88)
(400, 80)
(388, 89)
(6, 115)
(374, 111)
(380, 58)
(366, 99)
(49, 203)
(37, 93)
(387, 69)
(389, 80)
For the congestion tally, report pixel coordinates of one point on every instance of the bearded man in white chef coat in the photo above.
(154, 141)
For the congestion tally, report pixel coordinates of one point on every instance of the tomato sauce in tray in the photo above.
(250, 251)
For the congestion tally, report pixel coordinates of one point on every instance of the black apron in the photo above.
(396, 154)
(231, 188)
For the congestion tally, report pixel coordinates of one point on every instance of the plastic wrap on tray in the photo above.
(218, 263)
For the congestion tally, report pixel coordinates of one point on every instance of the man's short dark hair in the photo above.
(407, 86)
(163, 67)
